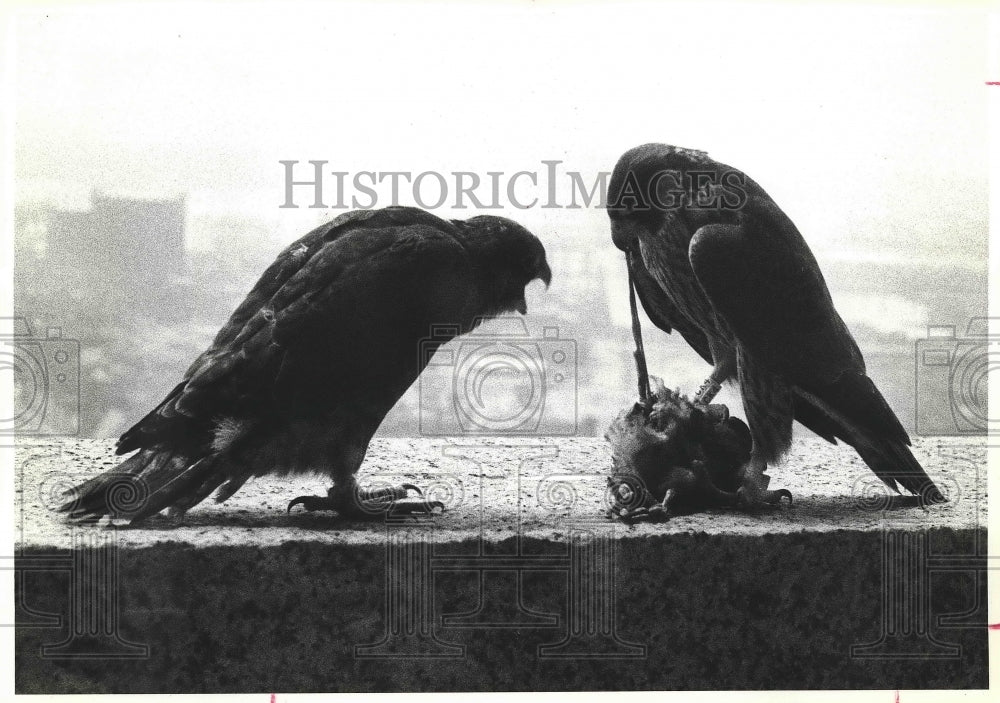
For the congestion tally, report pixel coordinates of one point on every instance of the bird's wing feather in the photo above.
(663, 313)
(289, 262)
(761, 278)
(763, 281)
(317, 297)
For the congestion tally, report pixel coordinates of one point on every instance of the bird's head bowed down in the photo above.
(510, 256)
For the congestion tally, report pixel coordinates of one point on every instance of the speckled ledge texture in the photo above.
(520, 585)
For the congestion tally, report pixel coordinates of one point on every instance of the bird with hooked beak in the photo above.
(303, 373)
(726, 268)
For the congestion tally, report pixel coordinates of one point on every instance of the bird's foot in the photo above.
(750, 498)
(754, 494)
(370, 503)
(657, 512)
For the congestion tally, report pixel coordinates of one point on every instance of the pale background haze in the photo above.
(868, 126)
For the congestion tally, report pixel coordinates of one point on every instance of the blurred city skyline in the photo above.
(867, 125)
(142, 319)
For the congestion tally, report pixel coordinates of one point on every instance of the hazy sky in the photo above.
(867, 124)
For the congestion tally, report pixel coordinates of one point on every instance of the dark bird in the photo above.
(303, 373)
(714, 257)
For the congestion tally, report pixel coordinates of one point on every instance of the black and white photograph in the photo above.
(508, 346)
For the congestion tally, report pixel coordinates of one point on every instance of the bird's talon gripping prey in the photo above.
(782, 494)
(656, 512)
(631, 515)
(661, 511)
(309, 364)
(761, 500)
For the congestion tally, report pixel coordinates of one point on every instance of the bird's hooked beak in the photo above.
(545, 275)
(624, 235)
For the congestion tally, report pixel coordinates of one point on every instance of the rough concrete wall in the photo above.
(711, 611)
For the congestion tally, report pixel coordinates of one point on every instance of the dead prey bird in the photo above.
(714, 257)
(670, 456)
(300, 377)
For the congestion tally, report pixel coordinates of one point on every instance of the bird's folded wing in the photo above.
(327, 284)
(663, 313)
(763, 281)
(289, 262)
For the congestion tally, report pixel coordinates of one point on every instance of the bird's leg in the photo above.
(754, 493)
(707, 391)
(723, 371)
(350, 500)
(645, 397)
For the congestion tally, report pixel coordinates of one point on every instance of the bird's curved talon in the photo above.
(388, 494)
(747, 500)
(654, 513)
(667, 497)
(396, 500)
(658, 513)
(412, 507)
(403, 489)
(371, 503)
(629, 515)
(779, 495)
(311, 503)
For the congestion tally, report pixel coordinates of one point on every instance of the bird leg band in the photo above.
(708, 390)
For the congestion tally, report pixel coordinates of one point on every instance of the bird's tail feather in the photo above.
(183, 488)
(894, 463)
(873, 430)
(142, 485)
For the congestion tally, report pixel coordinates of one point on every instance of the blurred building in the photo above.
(121, 241)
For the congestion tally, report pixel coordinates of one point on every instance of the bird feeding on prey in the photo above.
(712, 256)
(308, 365)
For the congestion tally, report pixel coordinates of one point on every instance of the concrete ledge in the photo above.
(520, 585)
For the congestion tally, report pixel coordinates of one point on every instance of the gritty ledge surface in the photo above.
(495, 489)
